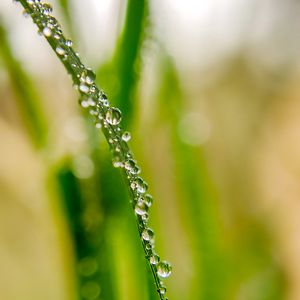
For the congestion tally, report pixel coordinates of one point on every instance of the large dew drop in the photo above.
(164, 269)
(113, 116)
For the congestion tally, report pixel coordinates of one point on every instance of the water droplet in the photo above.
(148, 235)
(90, 76)
(84, 88)
(164, 269)
(47, 9)
(113, 116)
(47, 31)
(117, 163)
(145, 218)
(162, 290)
(68, 43)
(131, 166)
(126, 136)
(140, 185)
(90, 290)
(141, 208)
(148, 200)
(60, 51)
(154, 259)
(91, 102)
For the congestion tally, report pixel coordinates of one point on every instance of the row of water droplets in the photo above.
(108, 119)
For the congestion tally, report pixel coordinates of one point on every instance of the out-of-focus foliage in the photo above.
(215, 127)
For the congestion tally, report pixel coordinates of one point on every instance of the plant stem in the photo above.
(106, 117)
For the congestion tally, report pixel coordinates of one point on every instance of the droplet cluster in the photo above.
(107, 118)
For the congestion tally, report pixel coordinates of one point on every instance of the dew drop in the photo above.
(68, 43)
(126, 136)
(84, 88)
(141, 208)
(148, 200)
(164, 269)
(148, 235)
(47, 9)
(131, 166)
(145, 218)
(154, 259)
(113, 116)
(117, 163)
(47, 31)
(162, 290)
(90, 76)
(60, 51)
(140, 185)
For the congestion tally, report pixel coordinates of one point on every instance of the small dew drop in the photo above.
(154, 259)
(84, 88)
(162, 290)
(47, 9)
(126, 136)
(68, 43)
(90, 76)
(148, 235)
(47, 31)
(164, 269)
(60, 51)
(117, 163)
(113, 116)
(141, 208)
(98, 125)
(148, 200)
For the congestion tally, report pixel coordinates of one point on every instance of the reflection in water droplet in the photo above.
(164, 269)
(113, 116)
